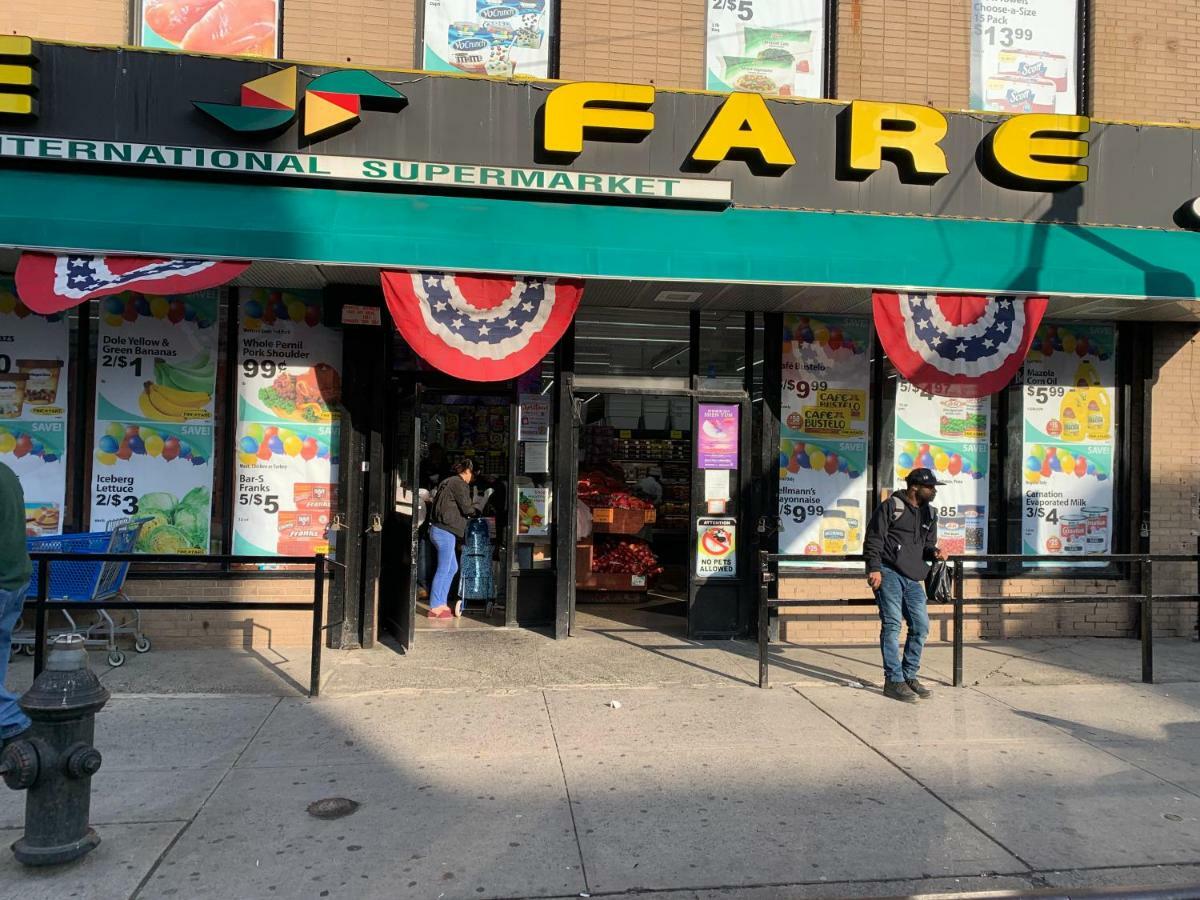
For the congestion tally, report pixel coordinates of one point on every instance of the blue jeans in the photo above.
(447, 565)
(901, 598)
(12, 719)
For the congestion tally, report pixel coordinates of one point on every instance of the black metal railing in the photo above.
(1146, 596)
(183, 566)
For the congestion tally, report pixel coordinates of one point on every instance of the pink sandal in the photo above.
(440, 612)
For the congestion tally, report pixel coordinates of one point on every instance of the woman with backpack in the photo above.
(452, 506)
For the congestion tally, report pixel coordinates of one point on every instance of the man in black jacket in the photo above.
(900, 543)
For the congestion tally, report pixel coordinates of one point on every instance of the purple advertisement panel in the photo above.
(717, 437)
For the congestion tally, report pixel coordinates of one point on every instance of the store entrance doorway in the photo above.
(635, 482)
(663, 488)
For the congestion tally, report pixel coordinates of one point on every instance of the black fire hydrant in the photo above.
(55, 760)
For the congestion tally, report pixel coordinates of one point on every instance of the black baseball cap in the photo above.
(922, 476)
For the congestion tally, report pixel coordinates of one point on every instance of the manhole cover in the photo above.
(332, 808)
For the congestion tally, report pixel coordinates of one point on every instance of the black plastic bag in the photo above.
(937, 583)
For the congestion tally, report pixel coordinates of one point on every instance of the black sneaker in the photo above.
(899, 690)
(919, 689)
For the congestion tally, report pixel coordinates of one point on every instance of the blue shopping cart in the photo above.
(86, 582)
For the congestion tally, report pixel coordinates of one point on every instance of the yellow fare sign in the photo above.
(1032, 150)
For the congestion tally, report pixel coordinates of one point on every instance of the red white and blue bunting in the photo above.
(481, 327)
(49, 284)
(957, 345)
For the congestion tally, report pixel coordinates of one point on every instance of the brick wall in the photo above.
(1145, 60)
(207, 629)
(1175, 466)
(359, 32)
(916, 51)
(659, 42)
(85, 21)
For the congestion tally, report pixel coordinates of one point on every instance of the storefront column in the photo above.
(566, 465)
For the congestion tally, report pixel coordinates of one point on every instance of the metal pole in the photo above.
(39, 618)
(958, 623)
(1148, 621)
(318, 626)
(764, 626)
(1198, 587)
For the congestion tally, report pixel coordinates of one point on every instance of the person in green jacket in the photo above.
(15, 569)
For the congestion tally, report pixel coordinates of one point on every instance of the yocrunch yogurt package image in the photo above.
(504, 11)
(496, 38)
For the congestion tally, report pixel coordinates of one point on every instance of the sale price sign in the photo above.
(289, 392)
(1069, 404)
(824, 405)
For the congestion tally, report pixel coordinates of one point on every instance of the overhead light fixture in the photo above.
(678, 298)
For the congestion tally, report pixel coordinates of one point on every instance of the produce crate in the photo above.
(611, 581)
(607, 520)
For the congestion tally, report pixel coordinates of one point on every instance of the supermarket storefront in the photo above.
(730, 253)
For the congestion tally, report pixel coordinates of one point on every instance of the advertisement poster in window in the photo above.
(225, 27)
(289, 392)
(949, 436)
(770, 47)
(1069, 405)
(717, 442)
(156, 374)
(1023, 56)
(533, 509)
(501, 38)
(33, 407)
(824, 411)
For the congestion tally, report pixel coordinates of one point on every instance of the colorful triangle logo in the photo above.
(324, 111)
(267, 103)
(333, 100)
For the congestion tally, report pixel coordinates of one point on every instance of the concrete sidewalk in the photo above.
(488, 774)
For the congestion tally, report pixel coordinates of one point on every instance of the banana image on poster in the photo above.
(180, 391)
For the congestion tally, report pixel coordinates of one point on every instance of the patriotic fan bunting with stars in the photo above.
(957, 345)
(481, 327)
(49, 284)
